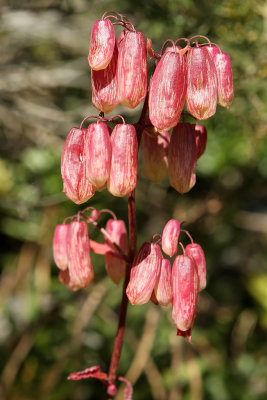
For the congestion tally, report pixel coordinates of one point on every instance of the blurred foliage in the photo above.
(46, 332)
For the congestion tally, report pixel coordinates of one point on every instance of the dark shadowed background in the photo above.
(46, 331)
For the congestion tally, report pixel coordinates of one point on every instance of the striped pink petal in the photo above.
(144, 273)
(98, 154)
(73, 168)
(132, 68)
(182, 157)
(185, 289)
(225, 79)
(155, 156)
(170, 237)
(196, 252)
(81, 271)
(101, 45)
(115, 266)
(201, 94)
(60, 246)
(167, 91)
(123, 169)
(163, 286)
(105, 85)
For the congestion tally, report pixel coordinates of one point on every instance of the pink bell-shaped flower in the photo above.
(201, 94)
(144, 273)
(170, 237)
(182, 157)
(163, 286)
(80, 267)
(101, 45)
(123, 169)
(105, 85)
(167, 91)
(98, 154)
(224, 76)
(132, 68)
(115, 266)
(60, 246)
(225, 79)
(185, 289)
(73, 168)
(196, 252)
(155, 156)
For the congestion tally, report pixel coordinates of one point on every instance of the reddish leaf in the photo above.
(92, 372)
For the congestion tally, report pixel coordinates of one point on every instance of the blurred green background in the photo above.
(46, 331)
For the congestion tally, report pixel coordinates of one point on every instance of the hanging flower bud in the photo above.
(123, 169)
(101, 45)
(81, 271)
(98, 154)
(155, 156)
(170, 237)
(115, 266)
(60, 246)
(163, 287)
(185, 289)
(132, 68)
(73, 168)
(182, 157)
(105, 85)
(201, 138)
(201, 95)
(225, 79)
(167, 91)
(196, 252)
(144, 273)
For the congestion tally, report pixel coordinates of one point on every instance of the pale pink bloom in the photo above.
(105, 85)
(167, 91)
(182, 157)
(73, 168)
(225, 79)
(101, 45)
(155, 156)
(196, 252)
(98, 154)
(132, 68)
(116, 266)
(201, 94)
(144, 273)
(185, 289)
(60, 246)
(224, 76)
(80, 268)
(170, 237)
(163, 287)
(123, 169)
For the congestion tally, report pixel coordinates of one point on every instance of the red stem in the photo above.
(124, 302)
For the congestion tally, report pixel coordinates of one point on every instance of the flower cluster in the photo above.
(200, 74)
(72, 246)
(98, 157)
(153, 278)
